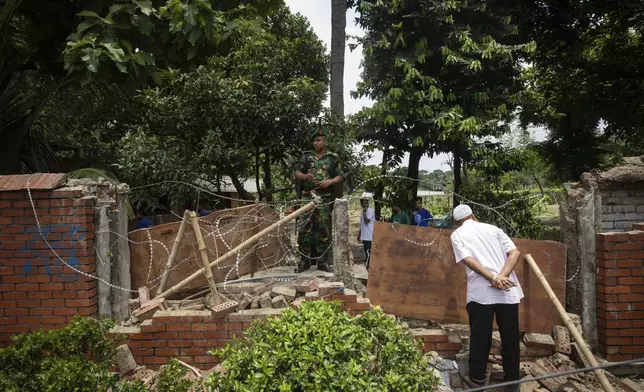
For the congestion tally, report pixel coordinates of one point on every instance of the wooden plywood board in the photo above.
(413, 273)
(222, 231)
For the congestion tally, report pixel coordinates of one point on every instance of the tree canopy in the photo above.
(442, 74)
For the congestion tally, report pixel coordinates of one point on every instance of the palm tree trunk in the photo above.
(380, 188)
(458, 162)
(413, 169)
(268, 181)
(338, 25)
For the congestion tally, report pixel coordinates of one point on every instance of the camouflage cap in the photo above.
(318, 132)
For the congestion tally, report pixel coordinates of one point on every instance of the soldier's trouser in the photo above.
(315, 232)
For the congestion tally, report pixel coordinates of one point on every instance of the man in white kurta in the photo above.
(493, 290)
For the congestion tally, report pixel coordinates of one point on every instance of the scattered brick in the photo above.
(224, 309)
(330, 288)
(146, 312)
(144, 295)
(265, 300)
(307, 286)
(245, 301)
(312, 295)
(279, 302)
(561, 337)
(287, 292)
(125, 360)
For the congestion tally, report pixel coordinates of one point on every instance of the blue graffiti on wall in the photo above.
(77, 234)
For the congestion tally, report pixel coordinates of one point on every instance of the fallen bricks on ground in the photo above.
(124, 359)
(279, 302)
(265, 300)
(287, 292)
(146, 312)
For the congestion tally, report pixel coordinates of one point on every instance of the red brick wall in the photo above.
(189, 335)
(620, 294)
(37, 291)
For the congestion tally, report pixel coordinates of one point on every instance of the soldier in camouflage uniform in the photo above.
(319, 170)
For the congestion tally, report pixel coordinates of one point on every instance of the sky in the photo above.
(318, 12)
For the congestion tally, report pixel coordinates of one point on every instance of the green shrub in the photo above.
(320, 348)
(75, 358)
(172, 378)
(130, 386)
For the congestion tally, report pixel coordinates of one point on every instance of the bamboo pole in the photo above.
(599, 373)
(252, 240)
(173, 252)
(207, 271)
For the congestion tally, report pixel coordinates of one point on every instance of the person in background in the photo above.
(144, 223)
(399, 217)
(493, 290)
(422, 217)
(367, 221)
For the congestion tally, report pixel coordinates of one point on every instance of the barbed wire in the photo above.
(218, 232)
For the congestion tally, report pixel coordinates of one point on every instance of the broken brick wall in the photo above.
(622, 205)
(601, 201)
(620, 294)
(37, 290)
(189, 335)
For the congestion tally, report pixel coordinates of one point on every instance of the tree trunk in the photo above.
(380, 189)
(457, 173)
(268, 184)
(338, 25)
(257, 184)
(239, 187)
(536, 179)
(413, 169)
(230, 171)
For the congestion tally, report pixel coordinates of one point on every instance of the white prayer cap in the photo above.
(461, 212)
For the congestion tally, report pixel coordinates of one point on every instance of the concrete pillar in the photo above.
(342, 260)
(580, 222)
(120, 261)
(103, 261)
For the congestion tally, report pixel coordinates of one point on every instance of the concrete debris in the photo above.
(245, 301)
(146, 312)
(254, 303)
(415, 323)
(265, 300)
(539, 340)
(124, 359)
(279, 302)
(330, 288)
(287, 292)
(144, 295)
(561, 336)
(538, 358)
(306, 286)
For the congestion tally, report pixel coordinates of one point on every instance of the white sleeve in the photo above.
(460, 250)
(506, 242)
(371, 214)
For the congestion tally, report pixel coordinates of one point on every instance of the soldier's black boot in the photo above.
(323, 265)
(314, 255)
(304, 265)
